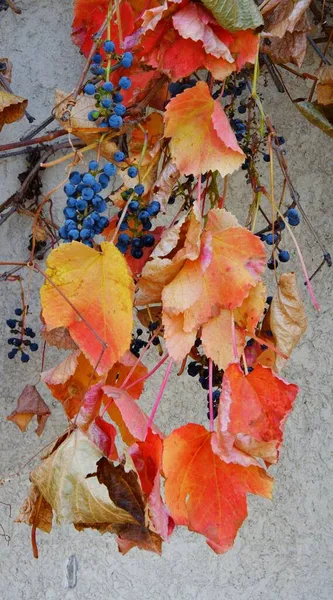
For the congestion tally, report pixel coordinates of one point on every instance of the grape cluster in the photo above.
(137, 222)
(85, 204)
(273, 239)
(239, 128)
(109, 109)
(21, 344)
(137, 344)
(178, 87)
(198, 367)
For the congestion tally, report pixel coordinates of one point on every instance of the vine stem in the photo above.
(129, 375)
(159, 364)
(300, 256)
(160, 394)
(210, 394)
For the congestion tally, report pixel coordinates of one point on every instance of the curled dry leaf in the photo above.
(79, 124)
(253, 410)
(211, 144)
(287, 317)
(11, 108)
(112, 501)
(99, 289)
(209, 501)
(36, 511)
(286, 26)
(29, 405)
(58, 337)
(316, 115)
(165, 183)
(325, 85)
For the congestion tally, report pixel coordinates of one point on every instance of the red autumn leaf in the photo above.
(30, 404)
(210, 144)
(179, 38)
(126, 414)
(89, 16)
(253, 409)
(147, 458)
(205, 493)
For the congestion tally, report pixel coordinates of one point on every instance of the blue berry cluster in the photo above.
(273, 239)
(195, 368)
(134, 228)
(109, 109)
(239, 128)
(20, 343)
(178, 87)
(85, 204)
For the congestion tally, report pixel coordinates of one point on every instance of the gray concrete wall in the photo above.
(285, 548)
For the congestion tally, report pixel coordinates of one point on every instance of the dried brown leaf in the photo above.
(36, 511)
(30, 404)
(287, 317)
(325, 85)
(11, 108)
(165, 184)
(59, 337)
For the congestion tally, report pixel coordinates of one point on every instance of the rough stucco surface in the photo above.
(285, 548)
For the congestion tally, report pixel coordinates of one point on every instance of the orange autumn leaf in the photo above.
(217, 339)
(205, 493)
(126, 414)
(119, 372)
(252, 308)
(151, 131)
(253, 410)
(201, 135)
(11, 108)
(92, 295)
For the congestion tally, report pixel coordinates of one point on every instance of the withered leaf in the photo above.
(59, 337)
(36, 511)
(325, 85)
(11, 108)
(30, 404)
(316, 115)
(287, 317)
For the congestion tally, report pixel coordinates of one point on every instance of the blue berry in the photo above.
(88, 179)
(104, 124)
(269, 299)
(16, 342)
(12, 353)
(121, 248)
(284, 256)
(71, 202)
(242, 109)
(109, 46)
(270, 239)
(124, 239)
(25, 357)
(143, 215)
(73, 234)
(293, 217)
(137, 242)
(103, 222)
(123, 226)
(97, 59)
(69, 189)
(90, 89)
(132, 172)
(95, 216)
(115, 121)
(11, 323)
(139, 189)
(146, 225)
(272, 264)
(70, 213)
(88, 222)
(119, 156)
(154, 208)
(119, 110)
(63, 232)
(263, 237)
(81, 204)
(106, 102)
(102, 206)
(70, 224)
(193, 369)
(96, 187)
(85, 234)
(133, 206)
(93, 115)
(148, 240)
(28, 331)
(33, 347)
(75, 177)
(93, 166)
(267, 158)
(124, 83)
(108, 86)
(88, 243)
(87, 194)
(281, 140)
(104, 180)
(18, 311)
(110, 169)
(117, 97)
(137, 252)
